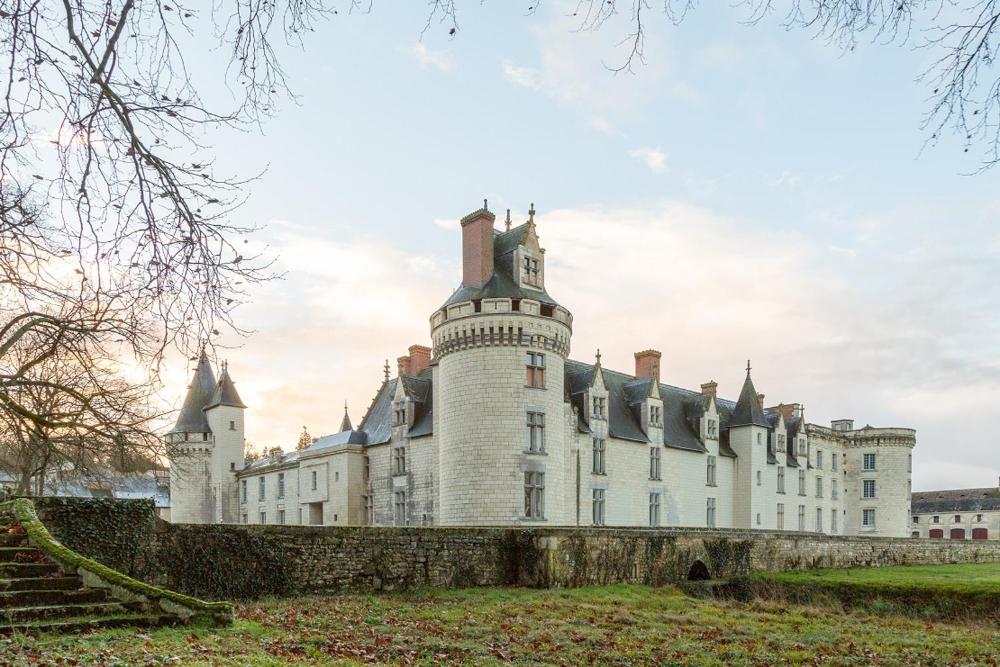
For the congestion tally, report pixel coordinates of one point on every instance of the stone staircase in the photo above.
(37, 596)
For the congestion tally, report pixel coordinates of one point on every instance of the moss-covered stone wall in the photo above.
(234, 561)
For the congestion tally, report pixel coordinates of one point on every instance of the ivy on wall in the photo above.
(223, 564)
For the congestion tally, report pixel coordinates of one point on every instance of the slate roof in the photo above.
(958, 500)
(503, 283)
(192, 417)
(225, 393)
(748, 410)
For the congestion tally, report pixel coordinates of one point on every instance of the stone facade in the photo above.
(495, 425)
(960, 514)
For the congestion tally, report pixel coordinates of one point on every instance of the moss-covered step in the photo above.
(14, 554)
(41, 584)
(19, 570)
(16, 615)
(43, 598)
(90, 623)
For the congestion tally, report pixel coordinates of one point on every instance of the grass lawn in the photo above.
(624, 625)
(967, 578)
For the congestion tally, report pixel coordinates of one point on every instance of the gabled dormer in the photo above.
(402, 411)
(709, 425)
(780, 438)
(529, 258)
(595, 403)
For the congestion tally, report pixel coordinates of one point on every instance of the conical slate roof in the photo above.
(345, 424)
(225, 392)
(192, 416)
(748, 410)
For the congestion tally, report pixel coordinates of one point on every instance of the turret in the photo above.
(748, 431)
(502, 328)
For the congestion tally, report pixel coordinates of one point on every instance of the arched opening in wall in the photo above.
(915, 533)
(979, 534)
(936, 533)
(698, 572)
(957, 534)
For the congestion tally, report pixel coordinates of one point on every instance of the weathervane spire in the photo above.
(748, 368)
(385, 370)
(507, 221)
(531, 213)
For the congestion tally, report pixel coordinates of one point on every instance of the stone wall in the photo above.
(243, 561)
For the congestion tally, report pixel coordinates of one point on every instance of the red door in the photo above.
(936, 532)
(957, 534)
(979, 533)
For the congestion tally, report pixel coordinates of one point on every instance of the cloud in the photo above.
(900, 332)
(685, 92)
(430, 58)
(526, 77)
(786, 178)
(653, 158)
(447, 223)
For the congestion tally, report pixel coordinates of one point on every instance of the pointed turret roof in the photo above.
(748, 411)
(192, 416)
(225, 392)
(345, 424)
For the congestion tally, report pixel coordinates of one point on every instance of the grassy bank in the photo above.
(607, 625)
(957, 592)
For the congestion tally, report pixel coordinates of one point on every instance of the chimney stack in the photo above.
(403, 366)
(420, 358)
(710, 388)
(647, 364)
(477, 247)
(760, 401)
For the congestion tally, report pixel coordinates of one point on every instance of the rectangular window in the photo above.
(313, 480)
(654, 462)
(819, 487)
(281, 517)
(263, 517)
(655, 415)
(399, 460)
(654, 509)
(819, 459)
(399, 502)
(781, 516)
(243, 491)
(802, 518)
(937, 519)
(599, 447)
(530, 271)
(833, 462)
(710, 512)
(833, 521)
(958, 518)
(781, 479)
(232, 425)
(802, 446)
(370, 510)
(281, 485)
(399, 413)
(368, 469)
(536, 370)
(868, 518)
(916, 519)
(600, 405)
(536, 432)
(819, 519)
(246, 518)
(802, 482)
(781, 442)
(713, 429)
(834, 490)
(868, 488)
(759, 477)
(869, 461)
(261, 488)
(710, 474)
(597, 505)
(909, 463)
(534, 495)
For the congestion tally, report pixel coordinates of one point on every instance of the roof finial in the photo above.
(386, 370)
(225, 365)
(531, 213)
(486, 206)
(748, 368)
(507, 221)
(598, 356)
(345, 406)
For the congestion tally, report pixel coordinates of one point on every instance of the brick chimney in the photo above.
(787, 410)
(710, 388)
(403, 365)
(477, 247)
(760, 401)
(647, 364)
(420, 358)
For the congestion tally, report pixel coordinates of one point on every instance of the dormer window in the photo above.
(781, 442)
(655, 415)
(600, 405)
(529, 271)
(399, 414)
(802, 446)
(536, 370)
(713, 429)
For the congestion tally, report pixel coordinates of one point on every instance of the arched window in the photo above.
(936, 533)
(979, 533)
(957, 534)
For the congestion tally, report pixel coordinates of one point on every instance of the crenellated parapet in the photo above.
(501, 322)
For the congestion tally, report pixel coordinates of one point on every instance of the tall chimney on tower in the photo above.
(477, 247)
(647, 364)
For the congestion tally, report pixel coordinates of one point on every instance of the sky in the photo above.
(747, 193)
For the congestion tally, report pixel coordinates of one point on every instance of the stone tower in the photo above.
(499, 347)
(205, 448)
(748, 434)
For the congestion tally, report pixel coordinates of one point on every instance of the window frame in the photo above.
(534, 370)
(535, 430)
(534, 495)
